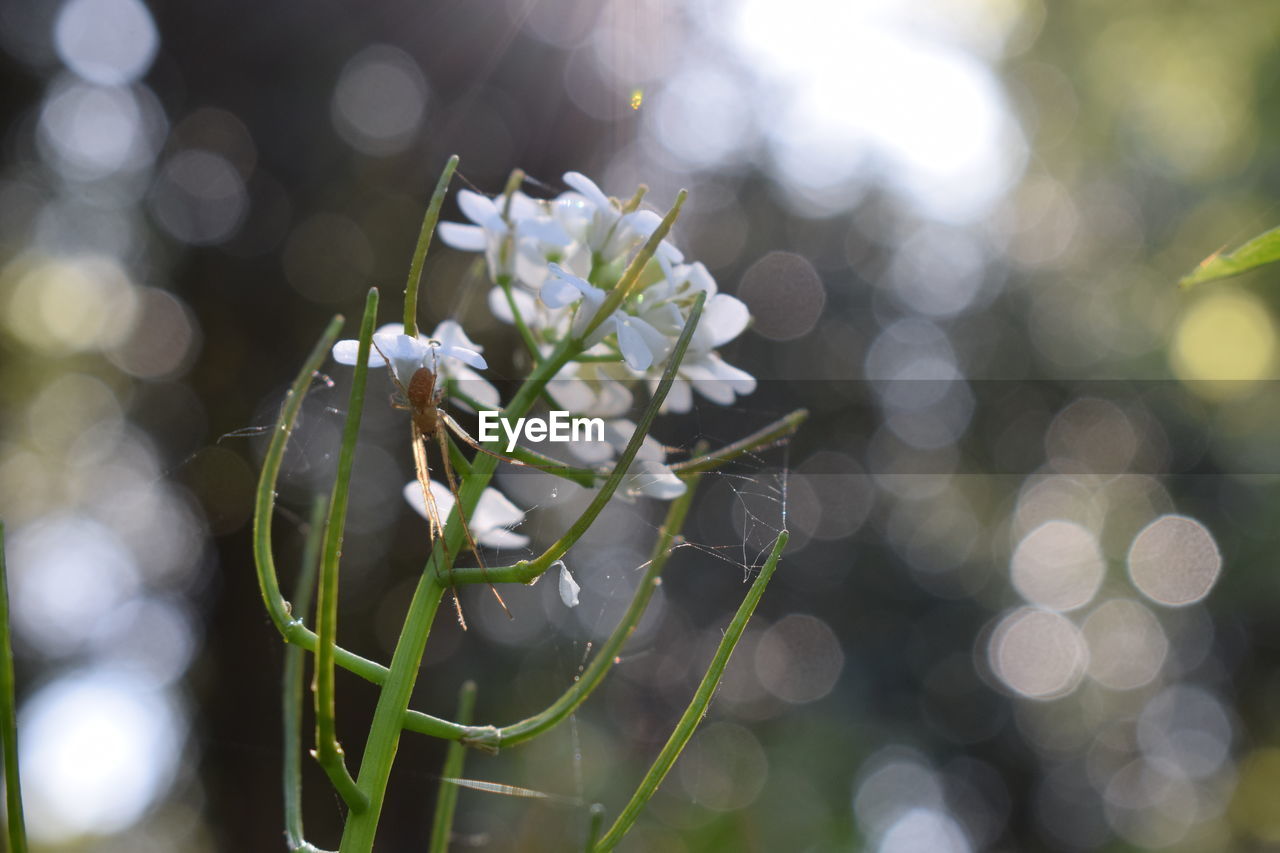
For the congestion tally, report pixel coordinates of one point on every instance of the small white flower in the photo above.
(448, 352)
(617, 434)
(640, 343)
(593, 219)
(537, 238)
(569, 588)
(711, 376)
(489, 523)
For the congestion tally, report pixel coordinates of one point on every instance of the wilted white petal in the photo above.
(655, 480)
(467, 238)
(568, 586)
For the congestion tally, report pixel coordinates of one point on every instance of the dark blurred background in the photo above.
(1029, 600)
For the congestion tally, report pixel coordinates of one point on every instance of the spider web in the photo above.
(732, 525)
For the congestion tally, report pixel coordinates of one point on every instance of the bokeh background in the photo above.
(1030, 599)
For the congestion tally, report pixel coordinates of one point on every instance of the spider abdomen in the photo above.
(422, 400)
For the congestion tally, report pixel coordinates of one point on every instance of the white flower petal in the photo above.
(476, 387)
(618, 433)
(588, 189)
(495, 510)
(482, 211)
(724, 318)
(741, 381)
(557, 293)
(699, 278)
(488, 524)
(544, 230)
(569, 588)
(450, 333)
(462, 354)
(501, 538)
(348, 351)
(467, 238)
(524, 301)
(679, 399)
(635, 350)
(654, 480)
(443, 497)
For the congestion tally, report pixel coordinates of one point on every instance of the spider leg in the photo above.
(394, 379)
(463, 435)
(443, 440)
(433, 510)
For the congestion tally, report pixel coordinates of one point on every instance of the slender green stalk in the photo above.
(292, 688)
(328, 751)
(627, 283)
(389, 717)
(280, 611)
(697, 707)
(578, 528)
(581, 476)
(594, 827)
(9, 719)
(759, 439)
(526, 334)
(607, 654)
(455, 755)
(633, 203)
(424, 243)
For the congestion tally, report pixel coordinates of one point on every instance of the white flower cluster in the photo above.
(561, 257)
(554, 263)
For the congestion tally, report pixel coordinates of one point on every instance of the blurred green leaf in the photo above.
(1261, 250)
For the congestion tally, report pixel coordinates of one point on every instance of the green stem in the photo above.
(588, 517)
(697, 707)
(758, 440)
(455, 755)
(594, 827)
(280, 611)
(328, 751)
(607, 654)
(9, 719)
(526, 334)
(424, 243)
(390, 715)
(292, 688)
